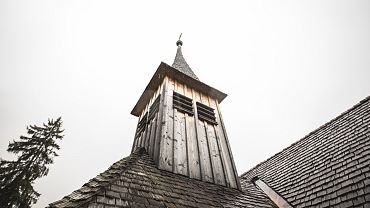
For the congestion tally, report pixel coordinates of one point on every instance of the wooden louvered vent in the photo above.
(206, 113)
(183, 103)
(141, 125)
(146, 119)
(154, 108)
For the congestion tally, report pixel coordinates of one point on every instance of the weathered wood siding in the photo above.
(183, 144)
(146, 138)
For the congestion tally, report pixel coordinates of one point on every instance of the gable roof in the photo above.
(328, 167)
(134, 181)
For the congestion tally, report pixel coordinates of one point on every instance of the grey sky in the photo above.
(287, 66)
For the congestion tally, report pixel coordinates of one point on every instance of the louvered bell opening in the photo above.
(142, 124)
(206, 113)
(154, 108)
(183, 104)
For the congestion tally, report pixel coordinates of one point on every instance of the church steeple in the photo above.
(180, 64)
(181, 127)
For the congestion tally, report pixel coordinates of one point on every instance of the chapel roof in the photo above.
(134, 181)
(328, 167)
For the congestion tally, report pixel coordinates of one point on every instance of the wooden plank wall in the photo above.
(192, 142)
(180, 160)
(205, 160)
(165, 157)
(183, 144)
(199, 150)
(147, 136)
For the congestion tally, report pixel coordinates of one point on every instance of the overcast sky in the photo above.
(287, 66)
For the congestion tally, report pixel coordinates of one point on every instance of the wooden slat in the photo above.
(229, 164)
(145, 142)
(196, 124)
(152, 135)
(181, 102)
(217, 165)
(204, 153)
(206, 113)
(154, 108)
(205, 161)
(152, 111)
(204, 100)
(230, 181)
(138, 141)
(166, 143)
(180, 154)
(147, 136)
(226, 180)
(160, 118)
(135, 137)
(182, 97)
(183, 108)
(212, 104)
(207, 119)
(192, 143)
(205, 108)
(143, 137)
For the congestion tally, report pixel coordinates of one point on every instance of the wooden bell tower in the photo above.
(181, 127)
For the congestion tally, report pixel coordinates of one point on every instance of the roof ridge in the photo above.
(306, 136)
(106, 180)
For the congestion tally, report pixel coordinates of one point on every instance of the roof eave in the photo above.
(166, 70)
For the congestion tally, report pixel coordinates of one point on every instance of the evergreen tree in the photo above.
(35, 152)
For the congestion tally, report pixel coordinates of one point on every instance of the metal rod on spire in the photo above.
(179, 42)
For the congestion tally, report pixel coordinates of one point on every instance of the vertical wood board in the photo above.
(205, 160)
(217, 166)
(160, 119)
(152, 136)
(180, 154)
(231, 171)
(192, 142)
(166, 146)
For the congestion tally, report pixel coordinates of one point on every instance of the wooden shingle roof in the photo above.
(134, 181)
(330, 167)
(180, 64)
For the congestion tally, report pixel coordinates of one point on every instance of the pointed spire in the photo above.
(180, 64)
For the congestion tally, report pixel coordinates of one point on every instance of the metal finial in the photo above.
(179, 42)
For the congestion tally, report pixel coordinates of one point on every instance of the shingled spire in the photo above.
(180, 64)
